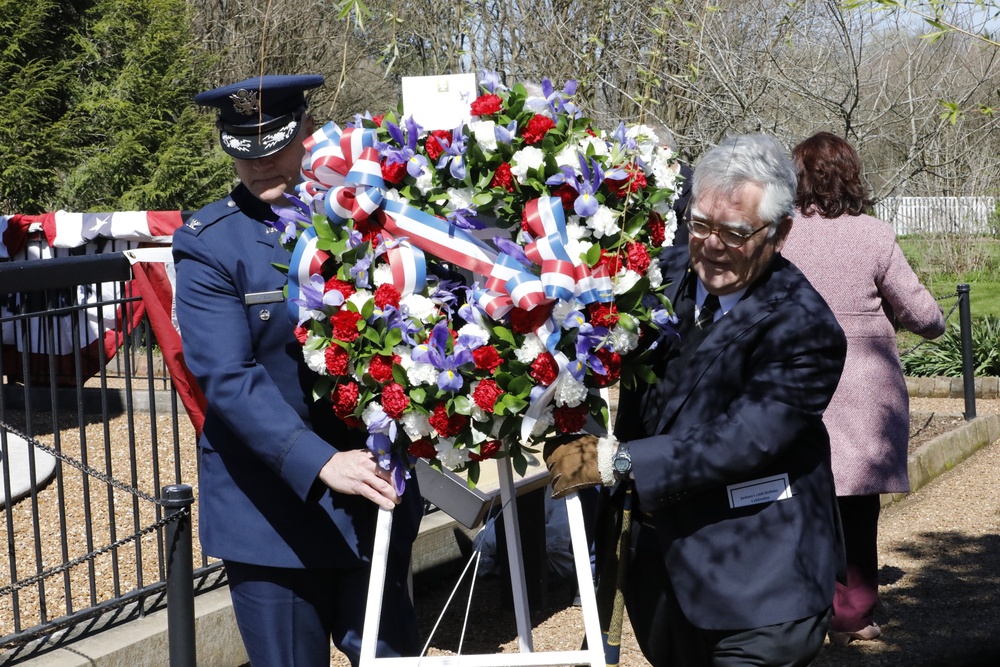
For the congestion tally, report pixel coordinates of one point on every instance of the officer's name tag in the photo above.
(263, 297)
(757, 491)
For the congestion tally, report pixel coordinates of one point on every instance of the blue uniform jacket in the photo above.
(748, 406)
(265, 439)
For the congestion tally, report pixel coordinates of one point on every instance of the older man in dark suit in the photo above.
(288, 495)
(735, 553)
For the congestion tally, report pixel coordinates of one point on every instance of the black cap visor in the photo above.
(253, 141)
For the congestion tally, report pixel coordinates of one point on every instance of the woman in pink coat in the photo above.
(853, 260)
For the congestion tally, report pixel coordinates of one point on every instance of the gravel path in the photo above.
(939, 551)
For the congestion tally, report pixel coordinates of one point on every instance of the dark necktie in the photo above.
(706, 316)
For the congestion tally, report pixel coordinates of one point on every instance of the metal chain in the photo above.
(73, 463)
(924, 341)
(45, 574)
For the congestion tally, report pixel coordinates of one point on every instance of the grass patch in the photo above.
(942, 262)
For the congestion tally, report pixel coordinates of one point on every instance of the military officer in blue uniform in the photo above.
(288, 495)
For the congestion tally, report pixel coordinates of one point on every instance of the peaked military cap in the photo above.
(260, 116)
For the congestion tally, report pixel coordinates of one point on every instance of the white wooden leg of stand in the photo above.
(513, 532)
(593, 656)
(373, 608)
(585, 580)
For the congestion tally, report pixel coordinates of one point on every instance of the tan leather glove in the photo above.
(572, 464)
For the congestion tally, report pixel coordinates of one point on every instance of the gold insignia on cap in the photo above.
(245, 102)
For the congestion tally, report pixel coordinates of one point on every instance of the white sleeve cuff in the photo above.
(605, 454)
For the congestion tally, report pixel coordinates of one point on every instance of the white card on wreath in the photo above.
(439, 102)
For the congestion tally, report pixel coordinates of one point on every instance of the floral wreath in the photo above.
(462, 294)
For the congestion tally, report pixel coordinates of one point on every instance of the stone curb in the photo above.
(942, 387)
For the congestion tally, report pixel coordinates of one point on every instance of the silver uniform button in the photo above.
(231, 204)
(265, 315)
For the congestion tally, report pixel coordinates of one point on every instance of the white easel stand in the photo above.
(593, 655)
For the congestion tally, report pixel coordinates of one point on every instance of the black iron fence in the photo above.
(94, 448)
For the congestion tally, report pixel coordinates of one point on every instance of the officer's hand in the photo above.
(356, 472)
(572, 464)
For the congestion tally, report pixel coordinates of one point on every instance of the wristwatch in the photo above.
(622, 461)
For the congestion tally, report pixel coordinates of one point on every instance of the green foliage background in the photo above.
(96, 110)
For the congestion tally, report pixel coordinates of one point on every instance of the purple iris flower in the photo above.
(399, 319)
(621, 136)
(313, 298)
(506, 135)
(666, 325)
(289, 217)
(435, 353)
(360, 270)
(454, 155)
(465, 218)
(415, 164)
(508, 247)
(380, 445)
(490, 80)
(556, 99)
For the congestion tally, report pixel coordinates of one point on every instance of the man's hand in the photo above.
(355, 472)
(572, 464)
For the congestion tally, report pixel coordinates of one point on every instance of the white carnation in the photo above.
(382, 275)
(622, 340)
(569, 157)
(392, 194)
(420, 373)
(570, 392)
(403, 351)
(530, 349)
(527, 158)
(625, 281)
(599, 145)
(459, 198)
(315, 360)
(425, 181)
(418, 307)
(485, 133)
(360, 298)
(645, 139)
(415, 424)
(562, 309)
(604, 222)
(654, 275)
(449, 456)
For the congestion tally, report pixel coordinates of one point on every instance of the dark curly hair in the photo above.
(829, 172)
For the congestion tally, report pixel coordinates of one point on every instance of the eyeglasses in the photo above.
(729, 237)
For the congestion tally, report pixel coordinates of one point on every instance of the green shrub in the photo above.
(943, 357)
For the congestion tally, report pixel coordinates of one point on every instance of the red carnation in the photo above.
(369, 231)
(570, 420)
(487, 450)
(657, 229)
(342, 286)
(387, 295)
(635, 181)
(447, 425)
(536, 129)
(301, 334)
(380, 368)
(345, 325)
(487, 358)
(526, 321)
(544, 369)
(336, 360)
(486, 105)
(567, 194)
(487, 394)
(393, 172)
(612, 362)
(603, 315)
(502, 178)
(378, 119)
(612, 261)
(437, 141)
(345, 399)
(638, 258)
(394, 400)
(422, 448)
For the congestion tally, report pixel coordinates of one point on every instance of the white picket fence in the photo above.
(937, 215)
